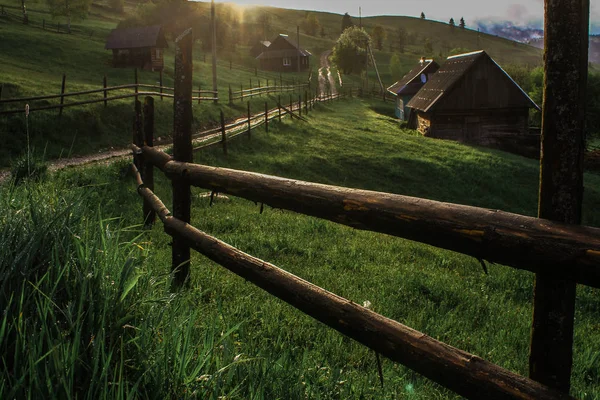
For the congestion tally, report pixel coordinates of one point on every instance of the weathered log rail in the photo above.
(265, 91)
(455, 369)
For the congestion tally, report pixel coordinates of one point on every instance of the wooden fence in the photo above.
(566, 252)
(17, 15)
(264, 90)
(133, 89)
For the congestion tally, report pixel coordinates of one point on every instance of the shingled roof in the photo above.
(139, 37)
(411, 82)
(294, 51)
(446, 78)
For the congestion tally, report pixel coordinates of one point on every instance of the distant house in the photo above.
(472, 99)
(141, 47)
(283, 55)
(411, 83)
(259, 47)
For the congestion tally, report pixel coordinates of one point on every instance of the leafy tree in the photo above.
(422, 15)
(452, 22)
(401, 39)
(350, 50)
(346, 22)
(322, 31)
(462, 23)
(428, 47)
(77, 9)
(395, 67)
(310, 24)
(379, 35)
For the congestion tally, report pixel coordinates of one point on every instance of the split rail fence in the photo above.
(135, 89)
(566, 251)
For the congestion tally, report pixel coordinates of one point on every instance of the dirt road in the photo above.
(326, 78)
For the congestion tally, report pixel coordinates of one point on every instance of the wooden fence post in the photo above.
(182, 149)
(279, 106)
(230, 95)
(138, 135)
(241, 93)
(291, 104)
(62, 93)
(306, 101)
(148, 168)
(300, 105)
(1, 88)
(566, 30)
(249, 118)
(104, 83)
(136, 83)
(266, 117)
(223, 134)
(199, 94)
(161, 84)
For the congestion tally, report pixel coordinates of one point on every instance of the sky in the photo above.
(524, 13)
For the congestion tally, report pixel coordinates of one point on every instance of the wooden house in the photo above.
(472, 99)
(259, 48)
(141, 47)
(283, 56)
(411, 83)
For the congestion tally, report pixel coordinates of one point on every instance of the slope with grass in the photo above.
(225, 337)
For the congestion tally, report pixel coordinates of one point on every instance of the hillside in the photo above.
(34, 60)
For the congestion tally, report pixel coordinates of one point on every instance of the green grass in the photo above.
(225, 337)
(34, 60)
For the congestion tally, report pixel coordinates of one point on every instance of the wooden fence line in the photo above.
(510, 239)
(464, 373)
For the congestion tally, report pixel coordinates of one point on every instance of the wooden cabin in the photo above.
(259, 48)
(283, 56)
(141, 47)
(472, 99)
(410, 84)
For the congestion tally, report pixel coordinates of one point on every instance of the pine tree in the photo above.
(452, 22)
(346, 22)
(462, 23)
(422, 15)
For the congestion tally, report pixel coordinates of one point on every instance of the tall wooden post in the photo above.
(223, 134)
(300, 105)
(266, 117)
(62, 94)
(230, 95)
(1, 87)
(249, 119)
(104, 83)
(161, 84)
(242, 92)
(148, 171)
(136, 83)
(291, 104)
(566, 31)
(214, 48)
(279, 107)
(182, 149)
(138, 135)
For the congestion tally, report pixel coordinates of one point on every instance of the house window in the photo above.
(157, 53)
(287, 61)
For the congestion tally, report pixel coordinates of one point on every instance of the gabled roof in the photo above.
(291, 51)
(411, 82)
(450, 73)
(139, 37)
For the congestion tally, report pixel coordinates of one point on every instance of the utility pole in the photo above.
(214, 49)
(299, 52)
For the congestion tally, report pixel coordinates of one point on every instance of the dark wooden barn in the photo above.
(410, 84)
(283, 55)
(259, 48)
(472, 99)
(141, 47)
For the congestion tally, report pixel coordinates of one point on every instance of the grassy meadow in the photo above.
(94, 316)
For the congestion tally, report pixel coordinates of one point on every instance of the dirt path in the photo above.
(200, 138)
(326, 78)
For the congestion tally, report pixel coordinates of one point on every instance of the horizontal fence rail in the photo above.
(518, 241)
(455, 369)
